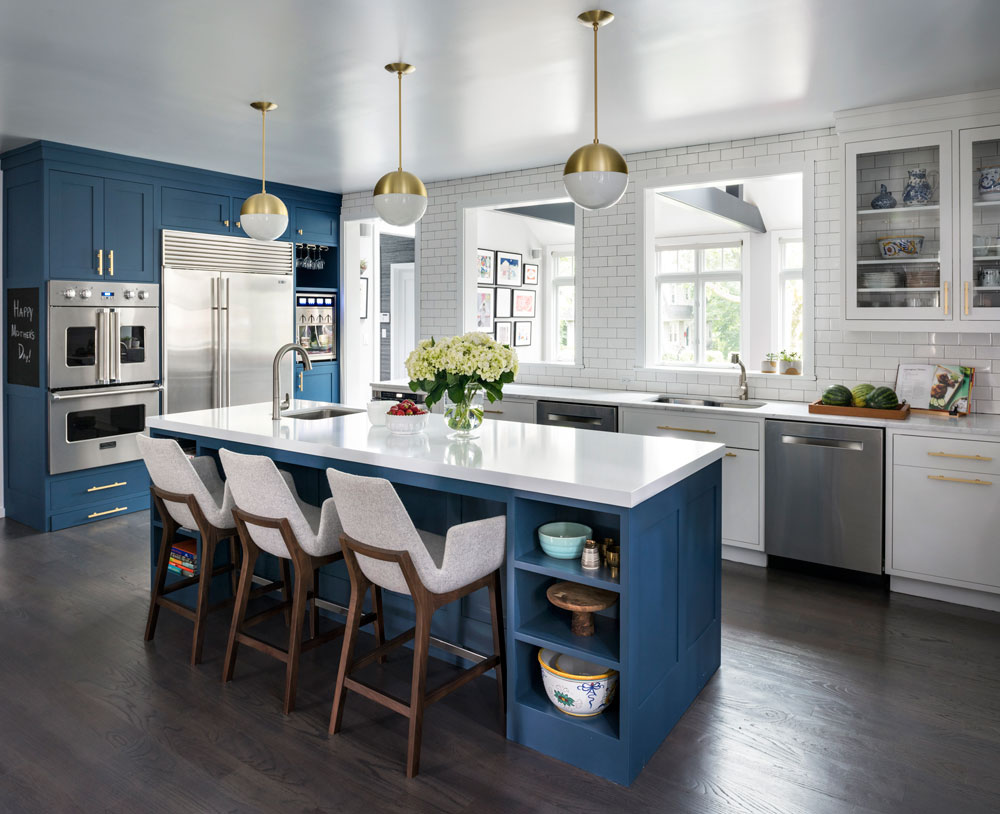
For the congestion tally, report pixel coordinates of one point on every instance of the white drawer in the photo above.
(947, 453)
(676, 424)
(511, 410)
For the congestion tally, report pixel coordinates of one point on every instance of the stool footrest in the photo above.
(463, 678)
(381, 650)
(393, 702)
(189, 581)
(281, 653)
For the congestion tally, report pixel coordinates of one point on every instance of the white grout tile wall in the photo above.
(610, 288)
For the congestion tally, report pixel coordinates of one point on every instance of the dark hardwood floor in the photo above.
(831, 698)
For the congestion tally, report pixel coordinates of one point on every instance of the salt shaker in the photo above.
(591, 557)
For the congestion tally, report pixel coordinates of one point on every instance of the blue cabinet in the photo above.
(315, 225)
(100, 227)
(197, 211)
(76, 226)
(322, 383)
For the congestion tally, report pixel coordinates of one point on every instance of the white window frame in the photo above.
(699, 278)
(781, 274)
(552, 284)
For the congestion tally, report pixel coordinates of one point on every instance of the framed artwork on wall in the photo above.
(504, 303)
(530, 274)
(364, 298)
(485, 305)
(524, 303)
(509, 271)
(522, 334)
(486, 273)
(503, 332)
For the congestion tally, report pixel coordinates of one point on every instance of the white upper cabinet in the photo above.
(925, 254)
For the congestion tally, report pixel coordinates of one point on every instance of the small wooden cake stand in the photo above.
(583, 601)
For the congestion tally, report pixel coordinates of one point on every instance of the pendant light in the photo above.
(400, 197)
(263, 216)
(596, 175)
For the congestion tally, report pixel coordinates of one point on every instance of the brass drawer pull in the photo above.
(109, 511)
(730, 454)
(494, 412)
(300, 381)
(973, 481)
(685, 429)
(962, 457)
(107, 486)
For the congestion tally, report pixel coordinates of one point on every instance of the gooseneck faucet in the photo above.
(744, 390)
(276, 404)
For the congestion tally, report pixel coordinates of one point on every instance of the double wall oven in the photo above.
(104, 371)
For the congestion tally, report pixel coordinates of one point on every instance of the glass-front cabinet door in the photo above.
(979, 205)
(898, 247)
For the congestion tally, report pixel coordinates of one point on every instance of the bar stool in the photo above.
(383, 548)
(270, 516)
(188, 494)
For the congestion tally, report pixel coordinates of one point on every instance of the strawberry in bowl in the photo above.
(406, 418)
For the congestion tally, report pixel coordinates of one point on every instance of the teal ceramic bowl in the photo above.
(564, 541)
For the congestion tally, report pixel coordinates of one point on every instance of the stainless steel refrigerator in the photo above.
(228, 305)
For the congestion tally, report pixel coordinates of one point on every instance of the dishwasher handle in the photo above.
(833, 443)
(575, 419)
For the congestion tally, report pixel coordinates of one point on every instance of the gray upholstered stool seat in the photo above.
(271, 517)
(383, 549)
(188, 493)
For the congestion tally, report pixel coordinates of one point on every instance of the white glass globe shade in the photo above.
(596, 190)
(264, 227)
(400, 209)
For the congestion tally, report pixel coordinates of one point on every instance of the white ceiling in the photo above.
(499, 86)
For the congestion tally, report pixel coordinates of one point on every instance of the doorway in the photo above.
(403, 309)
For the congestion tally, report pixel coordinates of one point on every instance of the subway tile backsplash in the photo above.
(609, 272)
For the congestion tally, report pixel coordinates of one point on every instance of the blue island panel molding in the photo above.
(663, 634)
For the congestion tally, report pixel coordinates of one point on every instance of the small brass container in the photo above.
(612, 558)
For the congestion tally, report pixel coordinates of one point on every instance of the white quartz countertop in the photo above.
(610, 468)
(975, 424)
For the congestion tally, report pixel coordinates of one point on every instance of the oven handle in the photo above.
(100, 352)
(114, 345)
(109, 392)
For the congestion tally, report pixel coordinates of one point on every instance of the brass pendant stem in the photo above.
(263, 148)
(596, 26)
(399, 119)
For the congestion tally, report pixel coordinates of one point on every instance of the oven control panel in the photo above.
(105, 295)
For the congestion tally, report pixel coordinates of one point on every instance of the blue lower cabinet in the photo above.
(95, 494)
(322, 383)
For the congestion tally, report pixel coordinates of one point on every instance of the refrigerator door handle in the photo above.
(216, 360)
(227, 380)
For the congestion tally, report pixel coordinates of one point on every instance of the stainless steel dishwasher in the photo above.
(823, 494)
(581, 416)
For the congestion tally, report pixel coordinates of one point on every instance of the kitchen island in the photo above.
(660, 498)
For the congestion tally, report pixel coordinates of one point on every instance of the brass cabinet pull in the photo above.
(962, 457)
(685, 429)
(494, 412)
(100, 262)
(107, 486)
(966, 296)
(299, 231)
(730, 454)
(300, 381)
(973, 481)
(946, 298)
(225, 223)
(238, 225)
(109, 511)
(111, 263)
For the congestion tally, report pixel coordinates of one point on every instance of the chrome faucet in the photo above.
(744, 390)
(276, 405)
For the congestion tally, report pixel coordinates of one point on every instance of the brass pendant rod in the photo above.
(263, 148)
(399, 116)
(596, 26)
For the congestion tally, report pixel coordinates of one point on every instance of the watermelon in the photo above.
(860, 394)
(883, 398)
(837, 396)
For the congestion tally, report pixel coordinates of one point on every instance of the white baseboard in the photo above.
(744, 555)
(944, 593)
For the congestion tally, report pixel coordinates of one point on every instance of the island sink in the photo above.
(316, 414)
(682, 401)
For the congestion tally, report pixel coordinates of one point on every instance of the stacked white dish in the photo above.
(879, 279)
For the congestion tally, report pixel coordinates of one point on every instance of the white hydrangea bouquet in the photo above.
(461, 369)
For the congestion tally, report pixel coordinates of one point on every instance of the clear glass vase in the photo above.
(465, 416)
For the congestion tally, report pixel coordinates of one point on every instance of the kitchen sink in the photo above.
(683, 401)
(322, 412)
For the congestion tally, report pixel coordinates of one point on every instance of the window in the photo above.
(699, 303)
(790, 293)
(563, 322)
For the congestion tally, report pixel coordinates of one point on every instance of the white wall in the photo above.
(610, 268)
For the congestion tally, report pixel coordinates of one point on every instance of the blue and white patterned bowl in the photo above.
(900, 246)
(575, 686)
(564, 541)
(989, 183)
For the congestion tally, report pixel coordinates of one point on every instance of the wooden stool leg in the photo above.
(234, 560)
(250, 552)
(204, 584)
(354, 612)
(496, 615)
(313, 607)
(286, 586)
(299, 596)
(161, 577)
(418, 688)
(379, 623)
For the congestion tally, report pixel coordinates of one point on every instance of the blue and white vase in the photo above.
(918, 189)
(989, 183)
(883, 200)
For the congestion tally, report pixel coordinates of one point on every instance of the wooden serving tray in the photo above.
(901, 413)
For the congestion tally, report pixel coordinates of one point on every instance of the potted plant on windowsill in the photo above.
(770, 363)
(791, 363)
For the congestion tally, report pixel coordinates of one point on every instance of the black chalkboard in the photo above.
(22, 336)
